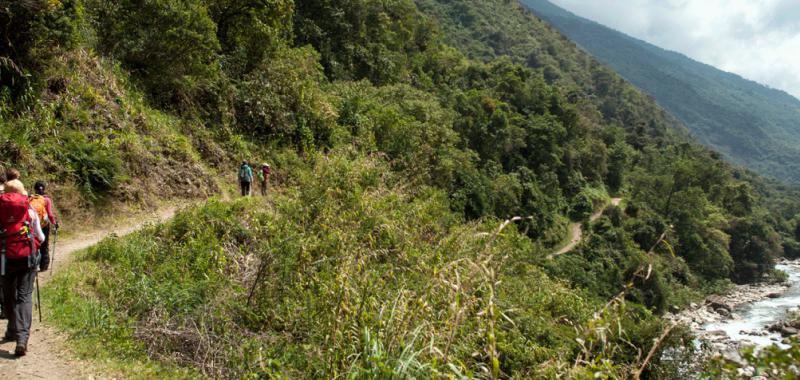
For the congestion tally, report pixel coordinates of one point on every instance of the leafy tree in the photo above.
(169, 45)
(363, 39)
(280, 101)
(249, 31)
(31, 32)
(754, 247)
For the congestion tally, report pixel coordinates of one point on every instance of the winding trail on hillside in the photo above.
(576, 230)
(47, 356)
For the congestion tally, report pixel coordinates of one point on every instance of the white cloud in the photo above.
(757, 39)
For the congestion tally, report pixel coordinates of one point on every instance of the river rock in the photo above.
(732, 355)
(745, 372)
(753, 332)
(717, 302)
(775, 328)
(774, 295)
(788, 331)
(723, 312)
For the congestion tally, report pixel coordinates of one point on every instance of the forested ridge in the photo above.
(403, 135)
(751, 124)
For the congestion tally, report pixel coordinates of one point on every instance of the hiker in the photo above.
(263, 176)
(43, 206)
(245, 178)
(12, 174)
(22, 235)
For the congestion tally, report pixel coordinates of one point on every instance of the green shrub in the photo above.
(32, 33)
(95, 166)
(170, 46)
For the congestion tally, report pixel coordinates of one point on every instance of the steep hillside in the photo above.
(385, 250)
(100, 145)
(751, 124)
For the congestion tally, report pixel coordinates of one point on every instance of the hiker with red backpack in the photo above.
(43, 206)
(21, 237)
(263, 176)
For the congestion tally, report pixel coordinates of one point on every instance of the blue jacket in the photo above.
(245, 173)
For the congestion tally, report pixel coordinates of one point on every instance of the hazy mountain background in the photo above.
(753, 125)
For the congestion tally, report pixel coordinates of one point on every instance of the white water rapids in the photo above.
(756, 316)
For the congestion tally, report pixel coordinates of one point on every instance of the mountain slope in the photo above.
(751, 124)
(401, 141)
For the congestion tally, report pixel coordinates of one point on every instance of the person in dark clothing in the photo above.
(22, 235)
(245, 178)
(47, 219)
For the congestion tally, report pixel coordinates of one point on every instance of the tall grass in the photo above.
(341, 274)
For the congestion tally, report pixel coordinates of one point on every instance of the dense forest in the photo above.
(752, 125)
(404, 135)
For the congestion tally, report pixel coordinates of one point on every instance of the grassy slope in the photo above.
(102, 147)
(369, 272)
(358, 278)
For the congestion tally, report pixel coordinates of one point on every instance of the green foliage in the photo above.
(754, 247)
(249, 31)
(771, 363)
(364, 39)
(282, 101)
(97, 332)
(234, 289)
(33, 32)
(400, 132)
(97, 169)
(170, 45)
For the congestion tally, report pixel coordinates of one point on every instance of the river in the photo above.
(749, 321)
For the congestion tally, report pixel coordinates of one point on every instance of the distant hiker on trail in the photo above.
(21, 237)
(245, 178)
(44, 208)
(263, 177)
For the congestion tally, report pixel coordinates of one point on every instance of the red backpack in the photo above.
(15, 224)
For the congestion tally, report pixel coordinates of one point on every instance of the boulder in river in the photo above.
(775, 327)
(774, 295)
(732, 355)
(717, 302)
(789, 331)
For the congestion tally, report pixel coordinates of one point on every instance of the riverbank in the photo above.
(748, 315)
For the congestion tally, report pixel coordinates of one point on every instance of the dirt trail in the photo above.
(47, 358)
(576, 230)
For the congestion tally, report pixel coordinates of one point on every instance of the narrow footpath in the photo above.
(576, 230)
(47, 356)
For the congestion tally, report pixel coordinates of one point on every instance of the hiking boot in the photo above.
(9, 337)
(22, 349)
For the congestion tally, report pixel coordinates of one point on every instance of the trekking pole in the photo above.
(38, 297)
(53, 248)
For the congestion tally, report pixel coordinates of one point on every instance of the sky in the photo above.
(757, 39)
